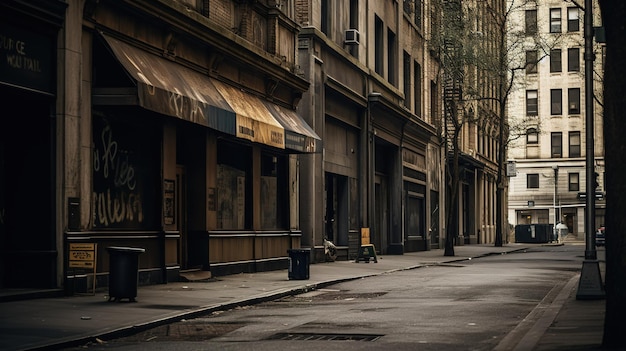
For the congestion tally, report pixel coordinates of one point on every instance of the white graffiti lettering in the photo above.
(118, 208)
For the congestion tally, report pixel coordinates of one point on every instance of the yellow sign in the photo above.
(81, 264)
(365, 236)
(83, 255)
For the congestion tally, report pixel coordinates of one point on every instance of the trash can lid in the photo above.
(125, 249)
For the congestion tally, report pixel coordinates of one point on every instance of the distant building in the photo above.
(548, 107)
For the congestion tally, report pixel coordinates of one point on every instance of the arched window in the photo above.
(532, 137)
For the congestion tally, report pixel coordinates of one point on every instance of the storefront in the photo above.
(28, 86)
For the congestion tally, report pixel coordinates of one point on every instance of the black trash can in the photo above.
(299, 263)
(123, 272)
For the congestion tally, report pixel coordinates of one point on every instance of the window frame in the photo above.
(574, 146)
(529, 104)
(532, 136)
(556, 145)
(530, 22)
(573, 24)
(573, 99)
(555, 20)
(556, 102)
(573, 181)
(573, 59)
(531, 61)
(556, 65)
(532, 181)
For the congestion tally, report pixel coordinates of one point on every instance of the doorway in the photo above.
(380, 237)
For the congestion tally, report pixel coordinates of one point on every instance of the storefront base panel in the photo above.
(228, 268)
(414, 245)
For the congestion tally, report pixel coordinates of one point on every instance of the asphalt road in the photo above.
(481, 304)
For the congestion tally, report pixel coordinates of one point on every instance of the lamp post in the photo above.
(555, 234)
(590, 284)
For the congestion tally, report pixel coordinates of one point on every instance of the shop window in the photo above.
(234, 165)
(274, 196)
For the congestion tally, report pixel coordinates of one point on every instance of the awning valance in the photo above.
(166, 87)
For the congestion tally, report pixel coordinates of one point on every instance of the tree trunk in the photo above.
(613, 13)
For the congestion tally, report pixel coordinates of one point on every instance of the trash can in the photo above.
(299, 263)
(123, 272)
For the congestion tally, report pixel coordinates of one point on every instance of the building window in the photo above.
(354, 24)
(418, 13)
(417, 86)
(556, 102)
(378, 45)
(572, 19)
(532, 181)
(532, 103)
(532, 137)
(392, 58)
(531, 22)
(573, 101)
(573, 60)
(555, 60)
(531, 61)
(557, 145)
(573, 183)
(274, 173)
(234, 186)
(407, 80)
(326, 17)
(555, 20)
(574, 144)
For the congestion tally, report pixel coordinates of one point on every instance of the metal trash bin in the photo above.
(299, 260)
(123, 272)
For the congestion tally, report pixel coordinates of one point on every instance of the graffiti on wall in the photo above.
(121, 177)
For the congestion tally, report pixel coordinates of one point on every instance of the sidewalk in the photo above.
(58, 322)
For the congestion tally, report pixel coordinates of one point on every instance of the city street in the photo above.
(490, 303)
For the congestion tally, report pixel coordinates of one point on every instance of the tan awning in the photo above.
(166, 87)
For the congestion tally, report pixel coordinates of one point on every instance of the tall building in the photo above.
(548, 108)
(375, 100)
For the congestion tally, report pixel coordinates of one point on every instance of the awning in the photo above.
(166, 87)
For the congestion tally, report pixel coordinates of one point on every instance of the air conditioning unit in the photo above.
(352, 37)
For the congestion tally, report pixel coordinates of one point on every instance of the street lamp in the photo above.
(556, 182)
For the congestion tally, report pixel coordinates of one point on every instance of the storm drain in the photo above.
(324, 337)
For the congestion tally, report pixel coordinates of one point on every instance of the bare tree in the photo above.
(483, 51)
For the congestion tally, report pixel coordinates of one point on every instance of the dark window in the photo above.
(573, 101)
(557, 145)
(555, 60)
(378, 45)
(572, 19)
(407, 80)
(532, 181)
(417, 84)
(532, 103)
(531, 22)
(275, 199)
(325, 13)
(418, 13)
(392, 58)
(354, 24)
(573, 60)
(556, 102)
(234, 186)
(555, 20)
(573, 183)
(574, 144)
(532, 137)
(531, 61)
